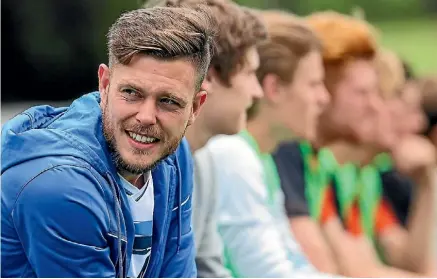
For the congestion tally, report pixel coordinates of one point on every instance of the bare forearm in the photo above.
(388, 272)
(418, 250)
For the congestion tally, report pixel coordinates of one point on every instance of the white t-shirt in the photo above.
(141, 202)
(257, 238)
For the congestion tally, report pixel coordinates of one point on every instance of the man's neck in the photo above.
(260, 130)
(138, 180)
(347, 151)
(197, 136)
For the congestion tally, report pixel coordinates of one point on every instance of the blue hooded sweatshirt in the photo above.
(64, 212)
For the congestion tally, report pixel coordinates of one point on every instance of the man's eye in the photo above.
(168, 101)
(128, 91)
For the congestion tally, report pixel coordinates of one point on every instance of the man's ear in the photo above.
(198, 102)
(211, 78)
(272, 88)
(103, 74)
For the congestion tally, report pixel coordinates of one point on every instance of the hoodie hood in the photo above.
(77, 131)
(34, 133)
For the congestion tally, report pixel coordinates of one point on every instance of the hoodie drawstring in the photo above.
(179, 185)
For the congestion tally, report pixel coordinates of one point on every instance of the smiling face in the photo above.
(146, 107)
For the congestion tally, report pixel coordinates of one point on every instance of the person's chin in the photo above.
(310, 135)
(235, 127)
(141, 161)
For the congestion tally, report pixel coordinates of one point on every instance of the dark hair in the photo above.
(164, 33)
(408, 70)
(428, 90)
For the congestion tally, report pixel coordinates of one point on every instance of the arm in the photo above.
(307, 231)
(310, 237)
(179, 256)
(209, 256)
(254, 243)
(61, 220)
(411, 248)
(210, 247)
(356, 256)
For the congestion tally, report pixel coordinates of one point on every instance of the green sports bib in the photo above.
(355, 185)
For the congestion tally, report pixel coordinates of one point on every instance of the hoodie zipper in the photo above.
(121, 256)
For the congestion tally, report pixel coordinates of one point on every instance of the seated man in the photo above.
(84, 187)
(347, 207)
(252, 221)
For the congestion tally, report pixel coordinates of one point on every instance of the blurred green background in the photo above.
(56, 46)
(409, 27)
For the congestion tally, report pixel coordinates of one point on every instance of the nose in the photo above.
(375, 102)
(324, 97)
(147, 112)
(257, 91)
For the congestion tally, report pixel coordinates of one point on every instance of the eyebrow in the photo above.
(182, 101)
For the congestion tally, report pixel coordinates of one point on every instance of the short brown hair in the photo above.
(163, 33)
(239, 28)
(344, 38)
(289, 40)
(428, 89)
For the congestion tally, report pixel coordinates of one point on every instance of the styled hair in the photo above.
(239, 28)
(163, 33)
(344, 38)
(289, 39)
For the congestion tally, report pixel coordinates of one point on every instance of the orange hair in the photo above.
(344, 38)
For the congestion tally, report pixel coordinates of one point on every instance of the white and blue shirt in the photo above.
(141, 202)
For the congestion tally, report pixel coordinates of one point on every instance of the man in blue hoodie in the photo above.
(103, 188)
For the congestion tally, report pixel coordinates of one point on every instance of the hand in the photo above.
(355, 255)
(414, 154)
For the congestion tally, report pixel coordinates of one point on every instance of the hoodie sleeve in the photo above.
(60, 219)
(179, 257)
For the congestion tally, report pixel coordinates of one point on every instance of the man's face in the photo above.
(303, 100)
(354, 102)
(225, 110)
(146, 108)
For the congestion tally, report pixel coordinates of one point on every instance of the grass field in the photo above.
(414, 40)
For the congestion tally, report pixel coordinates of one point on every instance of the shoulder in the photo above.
(233, 152)
(288, 159)
(57, 184)
(63, 196)
(288, 150)
(290, 166)
(398, 191)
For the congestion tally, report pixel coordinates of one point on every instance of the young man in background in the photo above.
(252, 219)
(232, 86)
